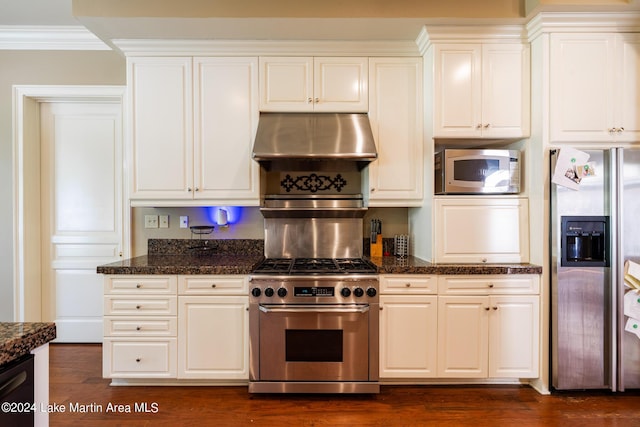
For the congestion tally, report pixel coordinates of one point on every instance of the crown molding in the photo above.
(593, 22)
(49, 37)
(490, 33)
(137, 47)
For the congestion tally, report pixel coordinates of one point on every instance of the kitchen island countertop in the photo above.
(18, 338)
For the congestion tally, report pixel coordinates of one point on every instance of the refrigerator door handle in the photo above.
(617, 266)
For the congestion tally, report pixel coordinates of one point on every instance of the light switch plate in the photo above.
(164, 221)
(151, 221)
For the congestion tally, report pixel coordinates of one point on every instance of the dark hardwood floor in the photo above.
(76, 382)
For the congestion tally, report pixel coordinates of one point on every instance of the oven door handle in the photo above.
(314, 308)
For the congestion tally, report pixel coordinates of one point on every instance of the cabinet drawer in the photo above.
(140, 326)
(212, 285)
(140, 285)
(151, 305)
(139, 358)
(405, 283)
(489, 285)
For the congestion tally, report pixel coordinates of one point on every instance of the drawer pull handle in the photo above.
(138, 328)
(408, 285)
(138, 360)
(213, 285)
(138, 307)
(495, 308)
(491, 285)
(138, 285)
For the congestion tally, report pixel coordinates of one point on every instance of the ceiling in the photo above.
(276, 19)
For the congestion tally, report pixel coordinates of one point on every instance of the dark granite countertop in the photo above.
(244, 264)
(18, 339)
(413, 265)
(184, 264)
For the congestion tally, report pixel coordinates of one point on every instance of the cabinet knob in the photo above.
(380, 308)
(373, 189)
(487, 308)
(408, 285)
(138, 359)
(189, 189)
(317, 100)
(495, 308)
(138, 328)
(487, 125)
(138, 285)
(491, 285)
(197, 189)
(213, 285)
(138, 307)
(309, 100)
(484, 260)
(479, 126)
(620, 130)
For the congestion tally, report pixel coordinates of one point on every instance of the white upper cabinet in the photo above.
(225, 123)
(593, 87)
(472, 229)
(193, 123)
(160, 106)
(481, 90)
(396, 115)
(298, 84)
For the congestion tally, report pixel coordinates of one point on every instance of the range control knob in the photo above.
(282, 292)
(358, 292)
(268, 292)
(371, 292)
(256, 292)
(345, 292)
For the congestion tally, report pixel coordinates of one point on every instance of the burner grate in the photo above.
(315, 266)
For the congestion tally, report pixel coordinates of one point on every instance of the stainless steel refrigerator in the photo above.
(594, 230)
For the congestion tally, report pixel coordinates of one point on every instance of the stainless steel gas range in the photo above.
(314, 304)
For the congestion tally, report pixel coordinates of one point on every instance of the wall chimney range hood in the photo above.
(314, 141)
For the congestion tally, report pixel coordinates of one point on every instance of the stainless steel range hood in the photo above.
(305, 141)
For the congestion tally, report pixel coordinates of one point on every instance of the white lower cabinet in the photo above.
(213, 327)
(213, 337)
(495, 335)
(140, 327)
(176, 327)
(408, 326)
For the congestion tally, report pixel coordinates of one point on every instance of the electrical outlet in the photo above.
(151, 221)
(164, 221)
(184, 222)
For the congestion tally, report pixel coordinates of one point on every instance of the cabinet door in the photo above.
(408, 336)
(581, 87)
(286, 84)
(213, 337)
(481, 229)
(628, 95)
(226, 119)
(463, 327)
(505, 91)
(395, 178)
(160, 105)
(514, 336)
(340, 85)
(457, 91)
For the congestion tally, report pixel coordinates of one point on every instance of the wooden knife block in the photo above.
(376, 247)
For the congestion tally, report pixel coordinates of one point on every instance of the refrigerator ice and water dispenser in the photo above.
(584, 241)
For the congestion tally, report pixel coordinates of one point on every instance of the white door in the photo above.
(81, 212)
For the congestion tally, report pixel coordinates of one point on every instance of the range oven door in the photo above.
(325, 342)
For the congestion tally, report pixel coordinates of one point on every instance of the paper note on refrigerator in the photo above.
(633, 326)
(632, 304)
(572, 165)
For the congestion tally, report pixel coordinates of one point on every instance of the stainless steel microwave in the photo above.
(477, 171)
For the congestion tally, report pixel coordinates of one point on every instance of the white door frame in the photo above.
(26, 187)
